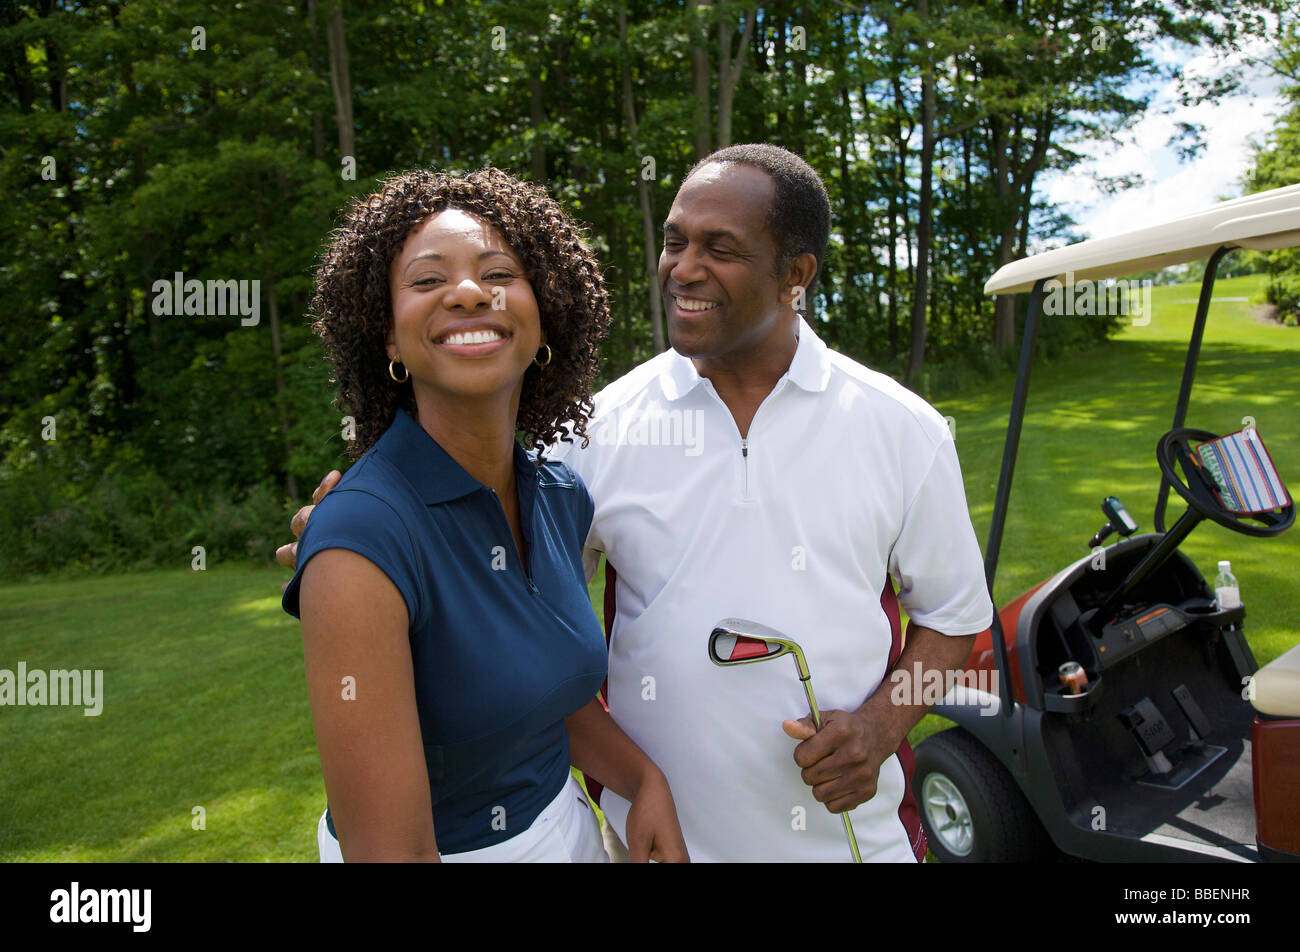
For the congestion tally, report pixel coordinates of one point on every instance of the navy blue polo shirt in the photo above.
(501, 654)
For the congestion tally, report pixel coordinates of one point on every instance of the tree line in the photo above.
(149, 144)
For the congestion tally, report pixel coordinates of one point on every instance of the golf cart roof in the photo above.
(1264, 221)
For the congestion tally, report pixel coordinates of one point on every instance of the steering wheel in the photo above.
(1176, 445)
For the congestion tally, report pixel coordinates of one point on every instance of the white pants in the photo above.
(566, 831)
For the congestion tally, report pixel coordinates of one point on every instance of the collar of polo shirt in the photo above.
(430, 469)
(810, 369)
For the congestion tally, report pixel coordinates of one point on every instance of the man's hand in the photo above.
(841, 762)
(287, 555)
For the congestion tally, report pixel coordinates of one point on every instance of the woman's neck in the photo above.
(478, 434)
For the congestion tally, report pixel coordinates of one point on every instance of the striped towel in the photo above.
(1243, 472)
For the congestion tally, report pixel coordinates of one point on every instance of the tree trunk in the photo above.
(1014, 190)
(317, 126)
(1025, 180)
(974, 286)
(16, 64)
(273, 308)
(895, 191)
(648, 238)
(1004, 305)
(921, 285)
(699, 83)
(340, 83)
(54, 65)
(779, 65)
(536, 118)
(1004, 318)
(799, 116)
(904, 209)
(849, 216)
(729, 69)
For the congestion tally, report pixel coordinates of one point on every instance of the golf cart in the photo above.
(1126, 719)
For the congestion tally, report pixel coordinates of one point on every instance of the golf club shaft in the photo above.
(853, 840)
(812, 702)
(817, 723)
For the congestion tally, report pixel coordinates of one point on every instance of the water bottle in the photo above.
(1225, 587)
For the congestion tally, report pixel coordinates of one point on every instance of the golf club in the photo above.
(738, 641)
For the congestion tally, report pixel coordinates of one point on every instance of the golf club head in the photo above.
(740, 641)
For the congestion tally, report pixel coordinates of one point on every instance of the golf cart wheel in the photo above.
(971, 809)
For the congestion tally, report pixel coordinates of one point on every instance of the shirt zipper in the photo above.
(744, 441)
(528, 569)
(528, 572)
(744, 454)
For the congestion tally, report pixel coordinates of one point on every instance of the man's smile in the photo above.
(691, 304)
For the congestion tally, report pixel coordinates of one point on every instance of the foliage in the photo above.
(142, 139)
(1277, 164)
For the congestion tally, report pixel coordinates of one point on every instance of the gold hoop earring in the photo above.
(543, 363)
(406, 374)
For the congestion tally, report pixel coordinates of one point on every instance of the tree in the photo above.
(1276, 164)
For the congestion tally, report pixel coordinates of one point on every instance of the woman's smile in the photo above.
(473, 339)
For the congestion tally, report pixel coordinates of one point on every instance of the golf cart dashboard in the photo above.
(1171, 599)
(1131, 632)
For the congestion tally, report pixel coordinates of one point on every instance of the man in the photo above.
(752, 472)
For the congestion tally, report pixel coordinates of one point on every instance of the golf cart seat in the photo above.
(1277, 686)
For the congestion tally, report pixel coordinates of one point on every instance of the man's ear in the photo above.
(798, 276)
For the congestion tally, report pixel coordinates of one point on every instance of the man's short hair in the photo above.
(800, 215)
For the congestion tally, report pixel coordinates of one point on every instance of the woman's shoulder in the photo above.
(372, 501)
(366, 513)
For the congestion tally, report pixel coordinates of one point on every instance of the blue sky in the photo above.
(1171, 187)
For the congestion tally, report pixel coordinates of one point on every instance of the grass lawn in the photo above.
(205, 703)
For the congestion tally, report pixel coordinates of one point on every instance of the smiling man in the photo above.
(821, 496)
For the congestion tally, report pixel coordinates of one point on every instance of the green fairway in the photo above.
(205, 703)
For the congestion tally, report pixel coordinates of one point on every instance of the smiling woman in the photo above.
(461, 296)
(358, 288)
(451, 652)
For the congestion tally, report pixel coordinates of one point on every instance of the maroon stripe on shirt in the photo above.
(908, 813)
(611, 581)
(594, 786)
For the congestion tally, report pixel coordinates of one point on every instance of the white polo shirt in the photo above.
(844, 479)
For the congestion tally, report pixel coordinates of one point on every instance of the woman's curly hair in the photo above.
(354, 312)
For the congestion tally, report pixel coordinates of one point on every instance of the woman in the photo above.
(451, 651)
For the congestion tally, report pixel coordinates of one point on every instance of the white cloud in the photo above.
(1171, 188)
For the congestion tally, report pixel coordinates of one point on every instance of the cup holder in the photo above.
(1056, 700)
